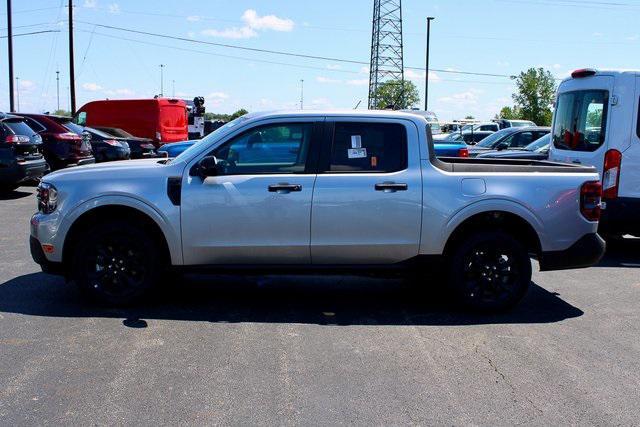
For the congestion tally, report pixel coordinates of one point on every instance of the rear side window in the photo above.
(369, 147)
(19, 128)
(580, 121)
(34, 125)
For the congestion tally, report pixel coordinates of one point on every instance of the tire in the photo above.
(490, 271)
(115, 263)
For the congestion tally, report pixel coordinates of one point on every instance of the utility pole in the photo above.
(18, 94)
(10, 50)
(72, 73)
(426, 85)
(302, 94)
(161, 80)
(58, 87)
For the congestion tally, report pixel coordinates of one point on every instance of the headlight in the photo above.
(47, 198)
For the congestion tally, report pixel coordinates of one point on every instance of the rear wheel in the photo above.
(490, 271)
(115, 263)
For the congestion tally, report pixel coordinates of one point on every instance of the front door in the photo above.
(258, 210)
(367, 202)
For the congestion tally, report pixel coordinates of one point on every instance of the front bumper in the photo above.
(586, 252)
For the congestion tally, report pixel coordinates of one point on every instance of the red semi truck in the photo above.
(161, 119)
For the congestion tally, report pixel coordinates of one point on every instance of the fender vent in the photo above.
(174, 189)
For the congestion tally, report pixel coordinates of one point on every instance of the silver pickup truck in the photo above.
(322, 192)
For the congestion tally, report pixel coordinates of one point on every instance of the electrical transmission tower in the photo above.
(386, 49)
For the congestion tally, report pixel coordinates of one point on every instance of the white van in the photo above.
(596, 122)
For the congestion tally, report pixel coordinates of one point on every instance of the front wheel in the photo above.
(115, 263)
(490, 271)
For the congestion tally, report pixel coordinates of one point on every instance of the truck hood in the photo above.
(128, 169)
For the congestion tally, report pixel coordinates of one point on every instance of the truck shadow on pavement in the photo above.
(276, 299)
(14, 195)
(622, 253)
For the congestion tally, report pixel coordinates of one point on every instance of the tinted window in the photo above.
(580, 120)
(492, 139)
(519, 140)
(73, 127)
(19, 128)
(369, 147)
(34, 125)
(278, 148)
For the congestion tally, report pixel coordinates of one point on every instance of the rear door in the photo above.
(581, 120)
(367, 200)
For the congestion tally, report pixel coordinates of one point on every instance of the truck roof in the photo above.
(336, 113)
(603, 72)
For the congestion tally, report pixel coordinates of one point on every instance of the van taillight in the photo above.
(611, 174)
(584, 72)
(591, 200)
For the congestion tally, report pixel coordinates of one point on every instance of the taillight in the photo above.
(463, 152)
(68, 136)
(611, 174)
(591, 200)
(582, 73)
(112, 142)
(16, 139)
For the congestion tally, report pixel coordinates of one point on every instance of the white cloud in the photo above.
(321, 103)
(114, 8)
(26, 85)
(231, 33)
(253, 24)
(414, 75)
(90, 4)
(321, 79)
(193, 18)
(358, 82)
(462, 99)
(124, 91)
(93, 87)
(267, 22)
(333, 67)
(218, 95)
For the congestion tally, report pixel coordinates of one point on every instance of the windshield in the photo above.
(521, 124)
(539, 145)
(216, 134)
(73, 127)
(493, 139)
(99, 133)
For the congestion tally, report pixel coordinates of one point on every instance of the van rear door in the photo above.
(173, 122)
(581, 120)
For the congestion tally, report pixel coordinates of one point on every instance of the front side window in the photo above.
(580, 121)
(271, 149)
(369, 147)
(519, 140)
(34, 125)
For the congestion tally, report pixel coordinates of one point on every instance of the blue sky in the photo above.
(488, 36)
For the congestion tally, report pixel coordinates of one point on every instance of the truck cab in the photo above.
(596, 123)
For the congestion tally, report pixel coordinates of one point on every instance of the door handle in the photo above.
(284, 188)
(577, 162)
(391, 187)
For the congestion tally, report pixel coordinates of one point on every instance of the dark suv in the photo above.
(20, 153)
(61, 146)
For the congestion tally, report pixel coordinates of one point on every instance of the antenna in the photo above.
(386, 49)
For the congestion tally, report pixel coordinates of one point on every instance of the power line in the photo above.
(32, 33)
(278, 52)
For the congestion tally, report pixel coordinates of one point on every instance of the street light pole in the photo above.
(302, 94)
(426, 78)
(58, 87)
(18, 94)
(72, 73)
(10, 51)
(161, 80)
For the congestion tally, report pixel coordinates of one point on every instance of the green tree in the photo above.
(594, 118)
(509, 113)
(241, 112)
(396, 95)
(469, 118)
(536, 89)
(62, 113)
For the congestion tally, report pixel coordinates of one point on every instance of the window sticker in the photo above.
(356, 141)
(357, 153)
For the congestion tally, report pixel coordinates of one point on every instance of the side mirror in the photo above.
(208, 166)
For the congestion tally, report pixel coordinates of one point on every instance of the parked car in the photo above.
(451, 149)
(430, 117)
(21, 157)
(62, 147)
(174, 149)
(141, 148)
(468, 137)
(105, 147)
(508, 138)
(159, 119)
(386, 204)
(504, 123)
(596, 123)
(537, 150)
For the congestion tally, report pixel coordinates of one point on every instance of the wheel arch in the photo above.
(146, 217)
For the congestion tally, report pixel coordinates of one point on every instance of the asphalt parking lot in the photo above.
(315, 351)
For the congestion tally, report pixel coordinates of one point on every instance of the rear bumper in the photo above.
(621, 217)
(586, 252)
(23, 171)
